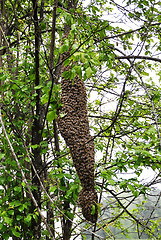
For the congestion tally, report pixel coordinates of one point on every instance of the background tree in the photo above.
(114, 48)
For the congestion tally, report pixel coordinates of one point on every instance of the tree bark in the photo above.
(36, 129)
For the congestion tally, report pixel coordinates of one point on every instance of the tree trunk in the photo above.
(67, 224)
(36, 129)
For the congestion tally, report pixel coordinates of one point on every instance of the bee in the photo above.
(74, 127)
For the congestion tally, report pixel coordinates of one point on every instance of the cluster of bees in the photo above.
(74, 127)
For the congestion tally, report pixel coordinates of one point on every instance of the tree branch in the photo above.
(129, 213)
(139, 57)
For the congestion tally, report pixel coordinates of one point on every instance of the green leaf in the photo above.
(28, 218)
(16, 234)
(15, 203)
(35, 146)
(66, 74)
(43, 25)
(2, 180)
(67, 175)
(82, 57)
(35, 217)
(78, 70)
(88, 72)
(64, 47)
(23, 184)
(51, 115)
(70, 215)
(99, 208)
(11, 212)
(145, 73)
(93, 209)
(2, 155)
(19, 217)
(131, 187)
(17, 189)
(8, 220)
(1, 226)
(112, 182)
(68, 19)
(38, 87)
(21, 208)
(74, 47)
(45, 98)
(52, 189)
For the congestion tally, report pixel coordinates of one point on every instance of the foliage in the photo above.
(115, 48)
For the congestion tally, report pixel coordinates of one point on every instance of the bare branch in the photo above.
(139, 57)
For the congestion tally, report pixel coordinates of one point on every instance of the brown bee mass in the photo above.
(74, 127)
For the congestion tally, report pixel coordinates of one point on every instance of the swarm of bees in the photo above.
(74, 127)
